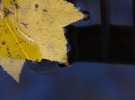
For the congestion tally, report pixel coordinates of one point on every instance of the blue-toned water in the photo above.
(120, 10)
(81, 81)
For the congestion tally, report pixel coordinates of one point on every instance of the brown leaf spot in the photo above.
(7, 12)
(8, 51)
(24, 24)
(44, 10)
(3, 42)
(36, 5)
(17, 6)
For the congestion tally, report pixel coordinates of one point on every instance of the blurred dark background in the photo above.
(107, 35)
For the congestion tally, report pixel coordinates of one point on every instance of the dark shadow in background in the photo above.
(87, 42)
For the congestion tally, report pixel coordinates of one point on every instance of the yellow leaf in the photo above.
(13, 45)
(46, 20)
(33, 30)
(12, 66)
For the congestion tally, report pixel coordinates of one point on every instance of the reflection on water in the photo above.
(81, 81)
(45, 66)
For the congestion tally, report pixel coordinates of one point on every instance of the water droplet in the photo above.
(68, 47)
(87, 15)
(65, 30)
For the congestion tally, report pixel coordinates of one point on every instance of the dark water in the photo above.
(83, 80)
(85, 36)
